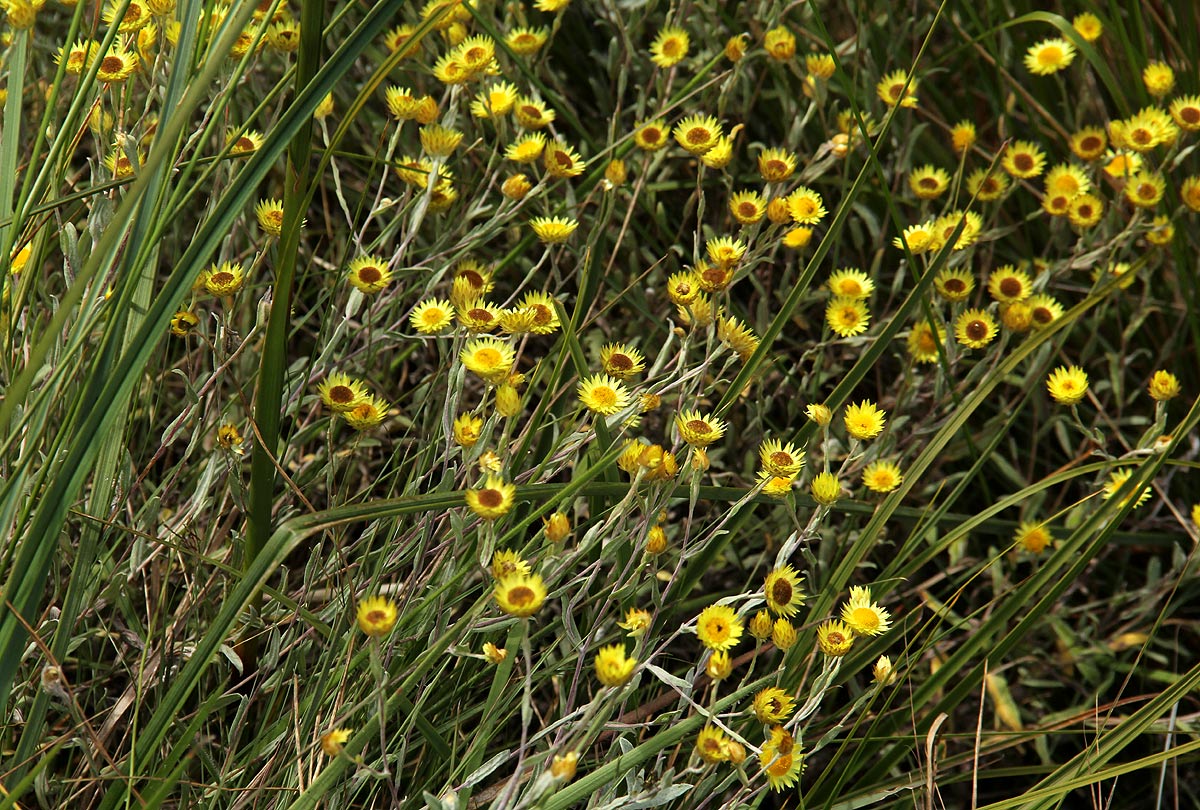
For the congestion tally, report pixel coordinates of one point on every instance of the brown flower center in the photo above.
(697, 135)
(1011, 287)
(1190, 115)
(781, 592)
(955, 285)
(1023, 162)
(112, 64)
(491, 498)
(376, 617)
(976, 330)
(698, 426)
(620, 362)
(341, 393)
(1091, 143)
(928, 183)
(781, 458)
(369, 274)
(521, 595)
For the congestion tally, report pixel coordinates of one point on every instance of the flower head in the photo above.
(806, 206)
(1033, 537)
(1067, 384)
(1088, 26)
(975, 328)
(698, 430)
(780, 459)
(224, 279)
(369, 274)
(782, 591)
(825, 488)
(493, 499)
(697, 133)
(1023, 159)
(342, 393)
(847, 316)
(712, 745)
(776, 165)
(613, 667)
(621, 361)
(773, 705)
(376, 615)
(718, 627)
(1049, 56)
(863, 616)
(928, 182)
(923, 342)
(552, 230)
(601, 394)
(882, 475)
(1163, 386)
(781, 760)
(369, 412)
(467, 429)
(432, 316)
(864, 420)
(1007, 284)
(892, 90)
(1116, 480)
(835, 638)
(333, 740)
(850, 282)
(651, 136)
(669, 47)
(183, 322)
(488, 358)
(520, 594)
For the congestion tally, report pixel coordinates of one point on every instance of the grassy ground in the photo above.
(616, 405)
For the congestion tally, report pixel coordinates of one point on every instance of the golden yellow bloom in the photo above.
(712, 745)
(776, 165)
(818, 413)
(613, 667)
(621, 361)
(781, 759)
(494, 654)
(1006, 283)
(962, 136)
(1089, 143)
(1164, 386)
(117, 65)
(369, 274)
(224, 279)
(467, 429)
(369, 412)
(783, 634)
(562, 767)
(882, 475)
(776, 486)
(928, 182)
(835, 638)
(527, 41)
(1159, 79)
(507, 562)
(553, 230)
(975, 328)
(493, 499)
(520, 594)
(806, 206)
(699, 430)
(1185, 111)
(747, 207)
(614, 174)
(864, 616)
(332, 741)
(782, 591)
(1145, 189)
(432, 316)
(669, 47)
(376, 615)
(561, 160)
(780, 44)
(864, 420)
(183, 322)
(1023, 159)
(847, 316)
(760, 625)
(719, 666)
(779, 459)
(1049, 56)
(892, 91)
(532, 113)
(697, 133)
(882, 672)
(1033, 537)
(923, 342)
(718, 627)
(1116, 480)
(820, 65)
(516, 186)
(773, 705)
(1189, 192)
(1088, 26)
(650, 136)
(601, 394)
(656, 541)
(1067, 384)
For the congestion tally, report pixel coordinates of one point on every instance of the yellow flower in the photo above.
(467, 429)
(562, 161)
(520, 594)
(720, 154)
(747, 207)
(698, 430)
(1159, 79)
(489, 358)
(1006, 284)
(779, 459)
(1033, 537)
(776, 486)
(621, 361)
(117, 65)
(776, 165)
(651, 136)
(613, 667)
(719, 666)
(1067, 384)
(368, 413)
(1145, 189)
(818, 413)
(882, 672)
(712, 745)
(835, 638)
(882, 476)
(553, 230)
(923, 342)
(974, 328)
(780, 44)
(342, 393)
(224, 279)
(773, 705)
(432, 316)
(1023, 160)
(244, 143)
(669, 47)
(805, 206)
(601, 394)
(269, 214)
(562, 767)
(847, 316)
(892, 91)
(718, 627)
(532, 114)
(636, 622)
(494, 654)
(333, 740)
(782, 591)
(929, 182)
(439, 141)
(1185, 111)
(1116, 480)
(478, 316)
(918, 238)
(863, 616)
(1189, 192)
(953, 284)
(527, 41)
(1044, 310)
(495, 101)
(1086, 210)
(760, 625)
(781, 760)
(783, 634)
(820, 65)
(1088, 26)
(850, 282)
(183, 322)
(1049, 56)
(962, 136)
(376, 615)
(864, 420)
(697, 133)
(1163, 386)
(1089, 143)
(369, 274)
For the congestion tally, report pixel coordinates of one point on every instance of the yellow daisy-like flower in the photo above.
(720, 154)
(1189, 192)
(1033, 537)
(864, 420)
(892, 91)
(975, 328)
(1023, 160)
(493, 499)
(1161, 232)
(776, 486)
(1088, 26)
(820, 65)
(478, 316)
(224, 279)
(526, 148)
(117, 65)
(781, 760)
(882, 475)
(1089, 143)
(245, 142)
(603, 395)
(467, 429)
(699, 430)
(780, 44)
(929, 182)
(923, 342)
(368, 413)
(776, 165)
(532, 113)
(712, 745)
(369, 274)
(545, 314)
(78, 56)
(847, 316)
(1044, 310)
(835, 638)
(863, 616)
(670, 47)
(333, 741)
(725, 251)
(341, 393)
(953, 284)
(562, 161)
(1121, 164)
(491, 359)
(439, 141)
(432, 316)
(1159, 79)
(682, 288)
(1016, 316)
(783, 592)
(825, 488)
(719, 666)
(1116, 480)
(516, 321)
(637, 621)
(1185, 111)
(1085, 211)
(553, 230)
(507, 562)
(760, 625)
(1164, 386)
(1067, 384)
(495, 101)
(779, 459)
(806, 206)
(269, 214)
(1067, 179)
(747, 207)
(697, 133)
(520, 594)
(783, 634)
(183, 322)
(1145, 189)
(713, 277)
(613, 666)
(718, 627)
(651, 136)
(850, 282)
(621, 361)
(738, 337)
(1006, 283)
(527, 41)
(1049, 56)
(773, 705)
(376, 615)
(962, 136)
